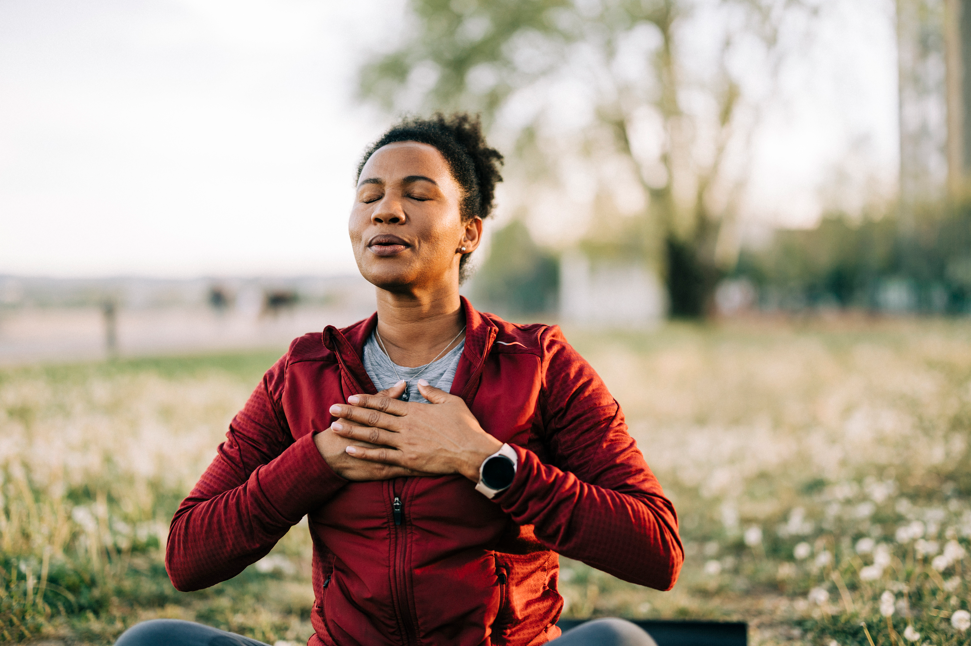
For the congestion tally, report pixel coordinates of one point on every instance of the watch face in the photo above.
(498, 472)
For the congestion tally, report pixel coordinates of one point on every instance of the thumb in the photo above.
(395, 391)
(431, 393)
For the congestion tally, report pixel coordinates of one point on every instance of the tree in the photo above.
(648, 104)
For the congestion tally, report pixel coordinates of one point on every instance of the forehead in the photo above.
(406, 158)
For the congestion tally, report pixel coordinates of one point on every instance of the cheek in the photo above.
(356, 222)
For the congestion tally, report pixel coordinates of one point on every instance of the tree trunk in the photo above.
(689, 279)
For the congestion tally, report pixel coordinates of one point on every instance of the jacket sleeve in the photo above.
(598, 501)
(260, 484)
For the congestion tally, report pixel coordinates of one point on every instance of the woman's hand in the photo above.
(440, 437)
(333, 447)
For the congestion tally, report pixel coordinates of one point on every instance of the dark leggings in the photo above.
(173, 632)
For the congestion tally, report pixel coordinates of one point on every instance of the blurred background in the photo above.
(752, 216)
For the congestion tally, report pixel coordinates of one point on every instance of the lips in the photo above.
(387, 245)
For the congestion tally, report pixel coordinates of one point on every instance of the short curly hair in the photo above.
(459, 138)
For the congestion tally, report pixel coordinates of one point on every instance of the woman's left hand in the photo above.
(440, 437)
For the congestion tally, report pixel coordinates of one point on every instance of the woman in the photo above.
(438, 505)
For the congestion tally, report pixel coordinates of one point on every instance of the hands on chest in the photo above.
(378, 437)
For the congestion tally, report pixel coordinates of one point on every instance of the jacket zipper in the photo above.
(397, 508)
(399, 568)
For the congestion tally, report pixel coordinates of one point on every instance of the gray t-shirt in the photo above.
(381, 370)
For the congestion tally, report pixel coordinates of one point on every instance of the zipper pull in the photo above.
(398, 509)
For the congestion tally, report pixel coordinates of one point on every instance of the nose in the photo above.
(388, 210)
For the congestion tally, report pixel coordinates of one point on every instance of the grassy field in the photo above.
(820, 469)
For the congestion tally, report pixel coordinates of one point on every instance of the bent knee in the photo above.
(155, 632)
(611, 631)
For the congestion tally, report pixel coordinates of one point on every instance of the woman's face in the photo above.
(405, 227)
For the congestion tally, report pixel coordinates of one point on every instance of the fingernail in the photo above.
(337, 426)
(351, 450)
(352, 399)
(401, 382)
(335, 410)
(423, 382)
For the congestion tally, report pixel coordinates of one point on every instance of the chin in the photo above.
(387, 278)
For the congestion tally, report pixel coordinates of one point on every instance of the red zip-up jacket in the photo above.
(429, 560)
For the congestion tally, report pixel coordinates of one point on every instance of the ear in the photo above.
(472, 235)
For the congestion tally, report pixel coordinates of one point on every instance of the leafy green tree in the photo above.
(518, 277)
(652, 102)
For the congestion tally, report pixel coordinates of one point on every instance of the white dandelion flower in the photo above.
(865, 545)
(823, 559)
(953, 551)
(753, 536)
(961, 619)
(713, 568)
(910, 634)
(871, 573)
(940, 563)
(926, 548)
(887, 601)
(819, 596)
(882, 555)
(952, 584)
(802, 551)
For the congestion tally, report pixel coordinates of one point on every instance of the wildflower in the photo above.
(865, 545)
(819, 596)
(953, 551)
(961, 619)
(887, 603)
(909, 532)
(871, 573)
(940, 563)
(910, 634)
(713, 568)
(952, 584)
(881, 555)
(864, 509)
(753, 536)
(802, 551)
(926, 548)
(823, 559)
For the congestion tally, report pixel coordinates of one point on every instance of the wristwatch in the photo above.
(497, 471)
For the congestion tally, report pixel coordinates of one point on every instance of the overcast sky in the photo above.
(188, 137)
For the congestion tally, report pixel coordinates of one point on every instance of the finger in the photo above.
(396, 391)
(431, 393)
(365, 416)
(383, 403)
(383, 455)
(369, 434)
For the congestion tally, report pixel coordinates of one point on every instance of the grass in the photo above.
(820, 470)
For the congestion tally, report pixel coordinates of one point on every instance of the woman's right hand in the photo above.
(332, 448)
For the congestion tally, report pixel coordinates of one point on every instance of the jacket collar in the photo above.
(348, 344)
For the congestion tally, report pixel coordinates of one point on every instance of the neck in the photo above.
(416, 327)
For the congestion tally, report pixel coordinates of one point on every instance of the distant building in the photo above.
(609, 292)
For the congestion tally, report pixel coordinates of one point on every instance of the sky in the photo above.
(179, 138)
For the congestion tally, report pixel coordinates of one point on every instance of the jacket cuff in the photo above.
(298, 481)
(523, 465)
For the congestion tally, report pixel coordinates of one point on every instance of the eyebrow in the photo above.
(411, 179)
